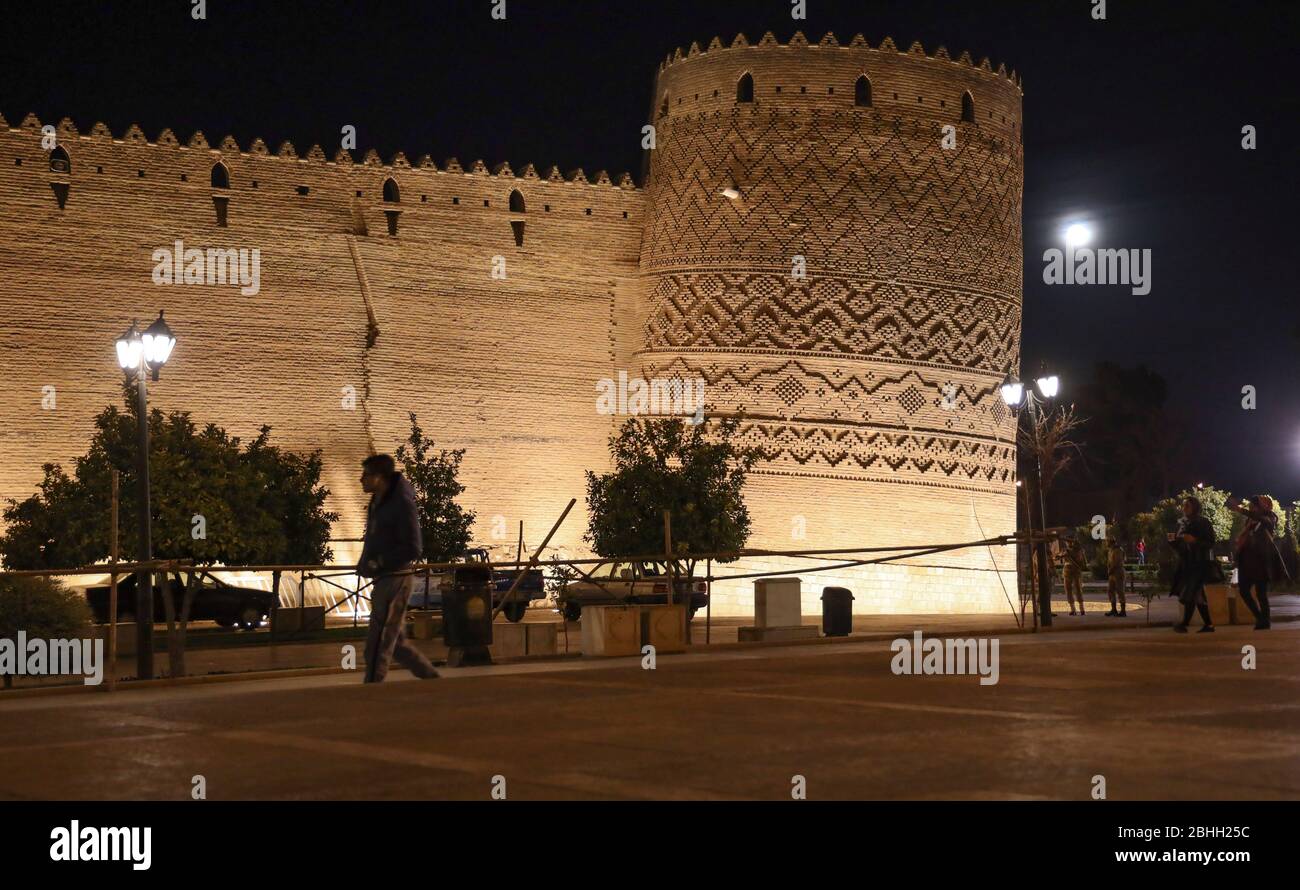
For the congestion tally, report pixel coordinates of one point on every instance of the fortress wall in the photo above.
(480, 360)
(507, 369)
(871, 384)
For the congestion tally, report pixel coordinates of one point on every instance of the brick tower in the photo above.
(833, 244)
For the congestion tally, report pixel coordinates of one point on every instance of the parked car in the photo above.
(214, 600)
(427, 593)
(622, 583)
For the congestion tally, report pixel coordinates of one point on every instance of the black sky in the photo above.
(1134, 122)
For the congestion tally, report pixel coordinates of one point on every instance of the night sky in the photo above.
(1133, 123)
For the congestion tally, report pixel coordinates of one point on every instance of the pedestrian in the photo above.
(393, 543)
(1193, 542)
(1073, 571)
(1257, 556)
(1115, 580)
(1142, 551)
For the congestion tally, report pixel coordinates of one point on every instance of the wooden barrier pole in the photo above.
(112, 583)
(708, 605)
(532, 560)
(668, 555)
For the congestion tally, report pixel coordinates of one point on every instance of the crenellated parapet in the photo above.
(830, 43)
(67, 134)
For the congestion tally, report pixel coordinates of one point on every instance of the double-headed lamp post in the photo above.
(142, 355)
(1016, 395)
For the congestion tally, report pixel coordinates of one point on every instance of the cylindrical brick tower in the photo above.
(833, 244)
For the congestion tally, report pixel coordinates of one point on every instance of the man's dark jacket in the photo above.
(393, 535)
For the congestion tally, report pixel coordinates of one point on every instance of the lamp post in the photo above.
(142, 355)
(1015, 394)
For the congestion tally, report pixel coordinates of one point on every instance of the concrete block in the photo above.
(292, 619)
(664, 627)
(543, 638)
(509, 640)
(611, 630)
(777, 602)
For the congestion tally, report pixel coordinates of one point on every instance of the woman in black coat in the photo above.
(1193, 541)
(1257, 556)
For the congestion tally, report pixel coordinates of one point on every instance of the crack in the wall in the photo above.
(372, 337)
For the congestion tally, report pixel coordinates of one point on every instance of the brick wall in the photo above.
(870, 384)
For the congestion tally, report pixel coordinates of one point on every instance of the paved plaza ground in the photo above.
(255, 653)
(1159, 715)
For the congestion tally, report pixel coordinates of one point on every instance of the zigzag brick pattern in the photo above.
(869, 385)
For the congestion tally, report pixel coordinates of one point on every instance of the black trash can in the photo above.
(467, 615)
(837, 611)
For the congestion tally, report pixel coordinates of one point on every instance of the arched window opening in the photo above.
(862, 92)
(220, 176)
(59, 160)
(391, 193)
(745, 89)
(517, 202)
(967, 108)
(663, 109)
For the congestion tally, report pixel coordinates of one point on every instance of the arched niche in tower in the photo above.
(967, 108)
(745, 88)
(862, 92)
(220, 176)
(59, 161)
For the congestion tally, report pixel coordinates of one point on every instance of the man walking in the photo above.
(393, 542)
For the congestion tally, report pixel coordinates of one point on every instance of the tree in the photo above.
(214, 500)
(1162, 519)
(1052, 444)
(664, 464)
(44, 609)
(444, 523)
(1131, 438)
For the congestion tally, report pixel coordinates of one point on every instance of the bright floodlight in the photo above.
(129, 349)
(1048, 386)
(1013, 391)
(730, 193)
(158, 343)
(1077, 235)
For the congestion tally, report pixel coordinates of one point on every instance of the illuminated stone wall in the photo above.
(503, 367)
(870, 385)
(871, 382)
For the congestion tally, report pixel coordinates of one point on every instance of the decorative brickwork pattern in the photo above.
(847, 277)
(869, 384)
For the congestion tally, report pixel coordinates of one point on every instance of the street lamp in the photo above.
(1016, 395)
(142, 355)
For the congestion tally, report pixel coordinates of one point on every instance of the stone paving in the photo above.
(1160, 715)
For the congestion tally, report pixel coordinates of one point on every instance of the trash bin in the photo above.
(837, 611)
(467, 615)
